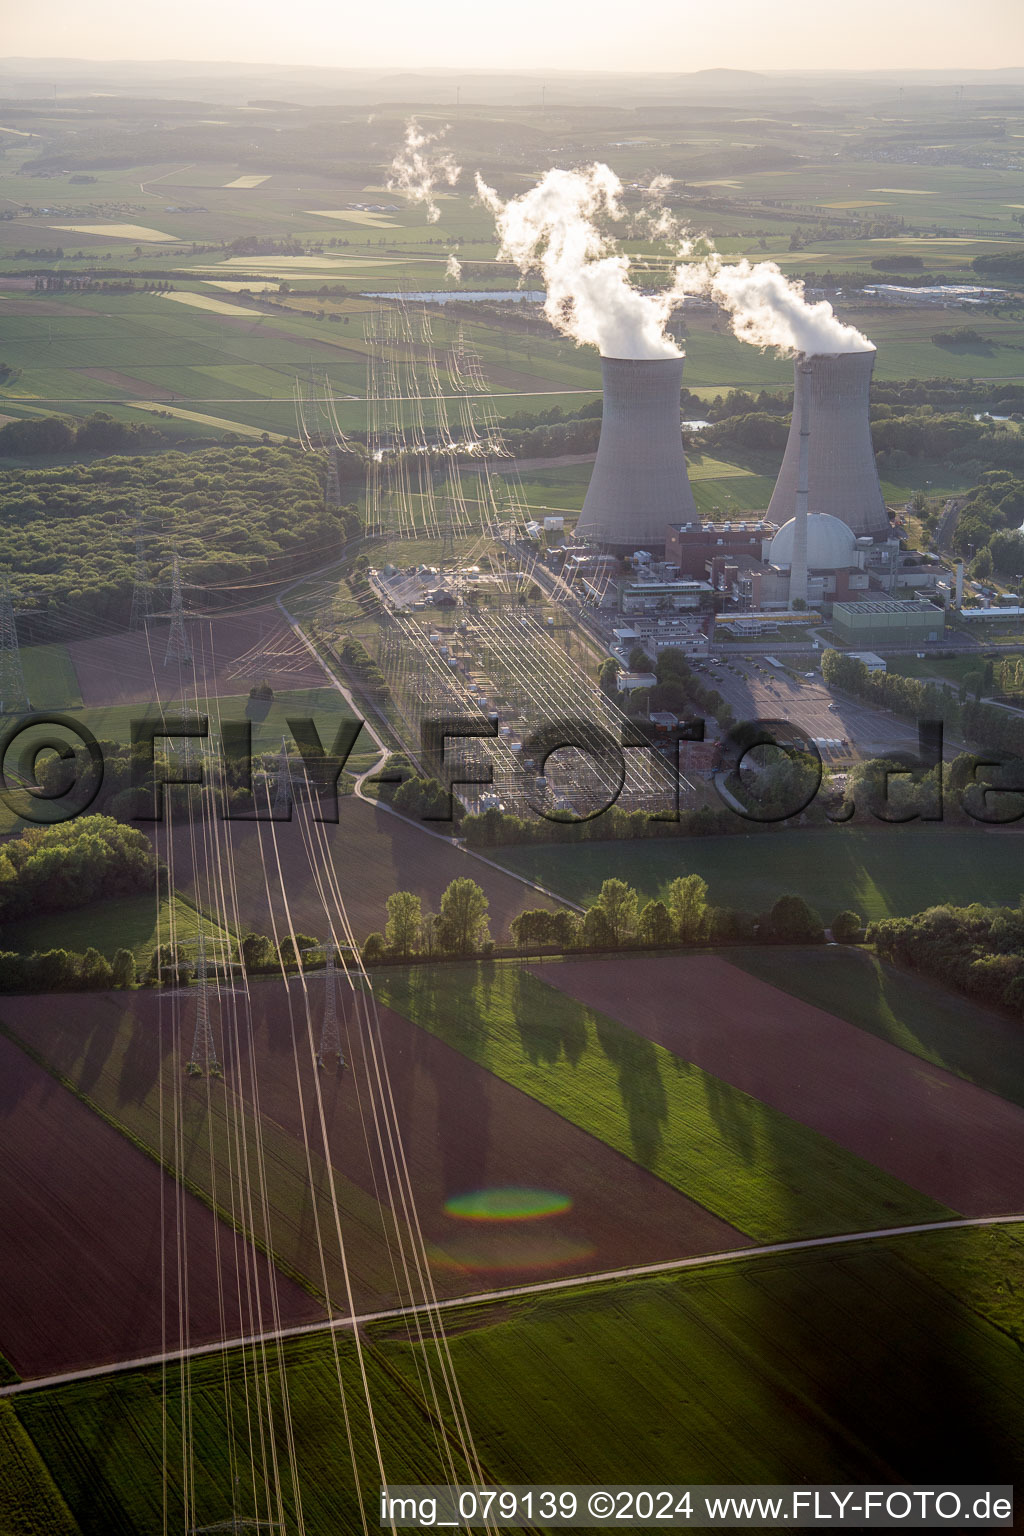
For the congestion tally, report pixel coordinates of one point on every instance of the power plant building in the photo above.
(886, 623)
(690, 546)
(835, 564)
(842, 477)
(639, 484)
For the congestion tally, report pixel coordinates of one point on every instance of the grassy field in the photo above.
(879, 872)
(228, 362)
(269, 720)
(909, 1011)
(750, 1165)
(132, 922)
(29, 1500)
(892, 1361)
(50, 679)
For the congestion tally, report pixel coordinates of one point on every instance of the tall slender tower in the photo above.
(802, 416)
(639, 484)
(204, 1050)
(283, 786)
(13, 694)
(178, 648)
(842, 476)
(142, 591)
(330, 1035)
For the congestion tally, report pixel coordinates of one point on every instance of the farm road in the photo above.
(510, 1293)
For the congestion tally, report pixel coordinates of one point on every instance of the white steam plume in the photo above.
(768, 309)
(453, 267)
(418, 168)
(560, 230)
(554, 229)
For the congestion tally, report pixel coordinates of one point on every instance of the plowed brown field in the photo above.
(372, 853)
(129, 668)
(941, 1135)
(84, 1244)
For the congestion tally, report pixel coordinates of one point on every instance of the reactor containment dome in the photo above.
(831, 544)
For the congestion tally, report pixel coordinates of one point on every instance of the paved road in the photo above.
(539, 1288)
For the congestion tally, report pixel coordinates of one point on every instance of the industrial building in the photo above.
(676, 596)
(886, 623)
(639, 484)
(691, 546)
(842, 477)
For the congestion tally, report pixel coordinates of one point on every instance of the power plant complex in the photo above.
(825, 537)
(640, 486)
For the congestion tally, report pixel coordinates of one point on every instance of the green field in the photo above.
(879, 872)
(909, 1011)
(894, 1361)
(131, 922)
(269, 719)
(50, 679)
(29, 1500)
(754, 1167)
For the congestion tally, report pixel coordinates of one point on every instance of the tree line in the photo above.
(617, 918)
(56, 868)
(977, 950)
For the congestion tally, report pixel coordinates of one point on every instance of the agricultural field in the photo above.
(902, 1355)
(869, 1096)
(976, 1043)
(131, 922)
(879, 872)
(117, 1062)
(50, 678)
(120, 1063)
(750, 1164)
(89, 1240)
(371, 851)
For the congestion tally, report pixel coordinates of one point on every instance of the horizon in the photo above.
(793, 37)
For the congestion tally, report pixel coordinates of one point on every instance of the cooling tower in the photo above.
(639, 484)
(842, 478)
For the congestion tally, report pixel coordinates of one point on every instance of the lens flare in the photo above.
(508, 1204)
(509, 1250)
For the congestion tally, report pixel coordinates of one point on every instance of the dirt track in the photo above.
(943, 1136)
(82, 1246)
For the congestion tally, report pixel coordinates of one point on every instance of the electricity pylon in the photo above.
(178, 648)
(204, 1059)
(283, 789)
(13, 694)
(330, 1035)
(142, 591)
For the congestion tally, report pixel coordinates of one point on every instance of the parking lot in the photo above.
(757, 690)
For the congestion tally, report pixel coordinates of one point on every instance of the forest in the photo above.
(235, 515)
(53, 869)
(979, 950)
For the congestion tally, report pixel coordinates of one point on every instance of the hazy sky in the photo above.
(563, 34)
